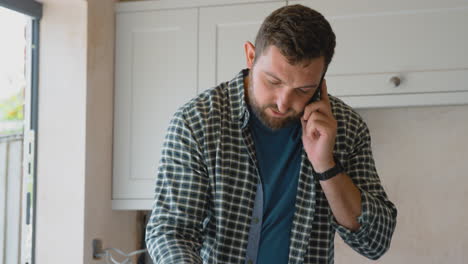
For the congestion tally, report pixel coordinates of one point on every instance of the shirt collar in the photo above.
(239, 110)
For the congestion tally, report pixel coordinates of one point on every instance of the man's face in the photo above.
(278, 91)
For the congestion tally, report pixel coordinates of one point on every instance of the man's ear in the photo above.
(249, 49)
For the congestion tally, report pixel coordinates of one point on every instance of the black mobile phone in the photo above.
(317, 94)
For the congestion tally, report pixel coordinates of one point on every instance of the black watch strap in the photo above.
(330, 173)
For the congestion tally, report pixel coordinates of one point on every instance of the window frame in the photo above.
(32, 9)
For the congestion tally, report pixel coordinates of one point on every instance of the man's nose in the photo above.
(283, 102)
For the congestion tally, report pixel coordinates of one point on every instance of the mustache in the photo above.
(275, 107)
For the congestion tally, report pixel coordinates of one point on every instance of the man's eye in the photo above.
(274, 82)
(304, 91)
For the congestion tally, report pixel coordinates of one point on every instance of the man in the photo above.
(259, 170)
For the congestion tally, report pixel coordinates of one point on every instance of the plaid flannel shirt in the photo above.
(206, 185)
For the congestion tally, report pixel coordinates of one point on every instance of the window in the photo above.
(19, 24)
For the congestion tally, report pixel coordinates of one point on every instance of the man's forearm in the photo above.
(344, 199)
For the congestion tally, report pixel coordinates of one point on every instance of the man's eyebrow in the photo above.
(301, 87)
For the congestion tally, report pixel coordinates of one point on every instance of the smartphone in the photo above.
(316, 96)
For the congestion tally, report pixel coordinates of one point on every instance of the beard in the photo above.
(259, 111)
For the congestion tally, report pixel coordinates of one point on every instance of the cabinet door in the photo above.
(156, 72)
(421, 42)
(223, 32)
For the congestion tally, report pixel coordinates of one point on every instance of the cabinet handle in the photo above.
(396, 81)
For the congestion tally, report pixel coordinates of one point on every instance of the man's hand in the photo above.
(319, 132)
(319, 128)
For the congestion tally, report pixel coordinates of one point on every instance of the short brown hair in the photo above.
(300, 33)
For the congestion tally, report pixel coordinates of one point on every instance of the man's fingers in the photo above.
(316, 116)
(316, 128)
(319, 106)
(317, 122)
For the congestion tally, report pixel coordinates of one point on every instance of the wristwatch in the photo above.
(330, 173)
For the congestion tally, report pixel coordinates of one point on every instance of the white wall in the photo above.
(62, 133)
(75, 135)
(117, 229)
(421, 154)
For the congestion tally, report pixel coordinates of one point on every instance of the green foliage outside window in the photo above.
(12, 108)
(12, 114)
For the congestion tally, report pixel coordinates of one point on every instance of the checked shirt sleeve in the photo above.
(173, 233)
(378, 217)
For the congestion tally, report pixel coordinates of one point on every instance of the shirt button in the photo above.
(256, 221)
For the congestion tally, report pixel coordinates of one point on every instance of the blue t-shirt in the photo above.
(278, 154)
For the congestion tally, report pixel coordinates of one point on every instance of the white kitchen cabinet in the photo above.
(423, 43)
(223, 32)
(164, 51)
(155, 73)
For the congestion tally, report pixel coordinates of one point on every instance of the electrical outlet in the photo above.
(97, 249)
